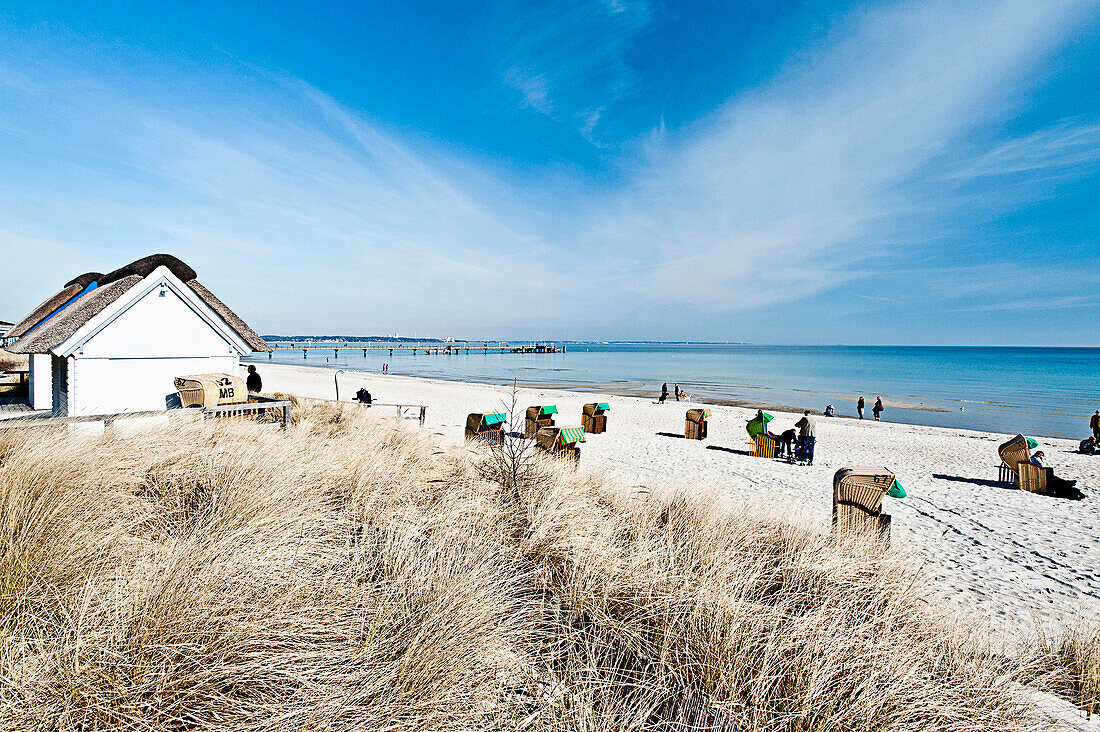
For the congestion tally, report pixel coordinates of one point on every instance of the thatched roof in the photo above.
(55, 320)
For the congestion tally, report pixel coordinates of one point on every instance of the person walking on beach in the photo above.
(254, 383)
(664, 393)
(877, 409)
(859, 407)
(1094, 423)
(677, 392)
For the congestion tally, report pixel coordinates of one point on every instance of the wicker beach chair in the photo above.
(1017, 468)
(537, 418)
(561, 442)
(695, 424)
(594, 417)
(487, 426)
(857, 501)
(763, 446)
(210, 390)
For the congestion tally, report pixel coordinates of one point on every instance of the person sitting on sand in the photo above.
(829, 412)
(664, 393)
(1090, 446)
(878, 408)
(1056, 486)
(363, 396)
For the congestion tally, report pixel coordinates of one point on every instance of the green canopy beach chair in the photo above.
(594, 417)
(561, 442)
(537, 418)
(763, 444)
(488, 426)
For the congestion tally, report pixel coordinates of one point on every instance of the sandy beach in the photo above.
(1005, 556)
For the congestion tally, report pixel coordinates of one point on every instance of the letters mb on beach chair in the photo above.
(695, 424)
(488, 426)
(561, 442)
(1017, 468)
(594, 417)
(537, 418)
(857, 500)
(210, 390)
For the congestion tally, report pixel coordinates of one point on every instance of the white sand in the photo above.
(1005, 555)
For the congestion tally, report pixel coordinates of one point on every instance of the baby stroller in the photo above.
(803, 452)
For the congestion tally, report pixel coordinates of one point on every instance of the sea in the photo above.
(1035, 391)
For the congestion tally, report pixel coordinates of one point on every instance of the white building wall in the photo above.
(109, 385)
(157, 325)
(130, 364)
(41, 381)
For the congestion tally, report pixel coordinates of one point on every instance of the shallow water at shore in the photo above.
(1041, 391)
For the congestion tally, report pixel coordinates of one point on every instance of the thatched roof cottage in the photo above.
(108, 343)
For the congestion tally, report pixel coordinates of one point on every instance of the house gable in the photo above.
(158, 317)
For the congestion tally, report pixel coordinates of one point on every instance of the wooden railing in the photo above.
(418, 412)
(248, 409)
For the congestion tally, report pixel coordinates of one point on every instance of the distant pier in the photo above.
(445, 349)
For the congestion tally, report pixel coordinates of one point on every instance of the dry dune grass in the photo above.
(12, 361)
(355, 576)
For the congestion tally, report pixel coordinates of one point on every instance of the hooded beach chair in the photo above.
(561, 442)
(488, 426)
(594, 417)
(1017, 468)
(695, 424)
(857, 500)
(763, 444)
(537, 418)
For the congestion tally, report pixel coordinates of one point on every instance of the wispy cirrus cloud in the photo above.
(802, 184)
(1068, 148)
(566, 58)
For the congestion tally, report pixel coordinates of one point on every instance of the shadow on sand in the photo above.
(974, 481)
(734, 450)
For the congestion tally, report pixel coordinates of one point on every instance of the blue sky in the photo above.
(817, 172)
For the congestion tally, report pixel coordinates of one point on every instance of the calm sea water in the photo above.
(1040, 391)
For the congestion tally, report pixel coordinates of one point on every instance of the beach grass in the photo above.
(355, 575)
(13, 361)
(1072, 659)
